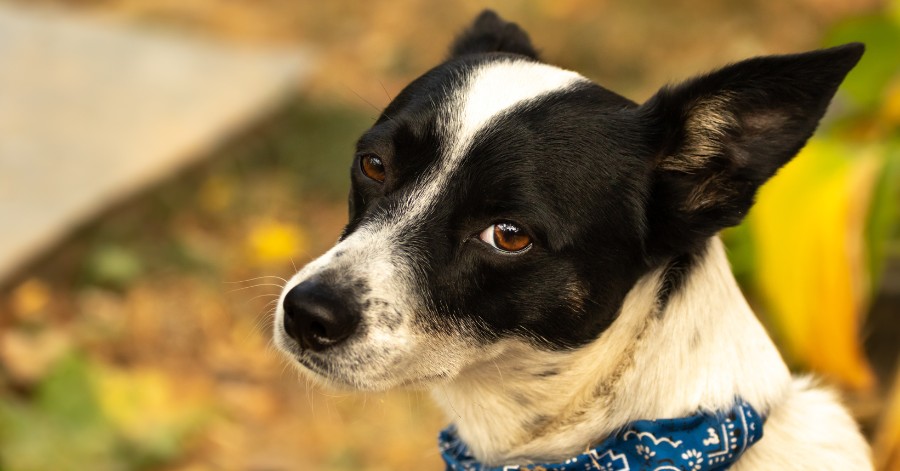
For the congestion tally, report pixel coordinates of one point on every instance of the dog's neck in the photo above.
(701, 350)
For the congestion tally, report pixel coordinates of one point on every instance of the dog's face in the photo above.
(462, 225)
(499, 199)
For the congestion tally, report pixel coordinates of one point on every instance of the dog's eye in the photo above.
(372, 167)
(506, 236)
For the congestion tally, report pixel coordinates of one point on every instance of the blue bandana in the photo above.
(701, 442)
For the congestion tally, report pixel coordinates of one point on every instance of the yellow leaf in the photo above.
(808, 227)
(146, 405)
(29, 299)
(272, 242)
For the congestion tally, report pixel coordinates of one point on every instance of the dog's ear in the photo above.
(718, 137)
(490, 33)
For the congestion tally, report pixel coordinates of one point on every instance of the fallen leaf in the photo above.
(29, 300)
(274, 242)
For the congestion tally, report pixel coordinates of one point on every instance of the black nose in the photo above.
(316, 316)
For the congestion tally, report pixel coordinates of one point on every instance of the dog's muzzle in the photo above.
(317, 316)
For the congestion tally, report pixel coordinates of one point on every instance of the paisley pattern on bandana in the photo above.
(701, 442)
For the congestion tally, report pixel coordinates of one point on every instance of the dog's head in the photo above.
(499, 198)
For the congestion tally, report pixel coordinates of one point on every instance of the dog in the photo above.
(542, 254)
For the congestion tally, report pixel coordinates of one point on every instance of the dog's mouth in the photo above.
(314, 364)
(325, 371)
(318, 366)
(330, 369)
(334, 375)
(370, 370)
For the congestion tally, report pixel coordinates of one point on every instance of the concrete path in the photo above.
(92, 112)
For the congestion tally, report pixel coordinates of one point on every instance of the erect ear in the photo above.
(720, 136)
(490, 33)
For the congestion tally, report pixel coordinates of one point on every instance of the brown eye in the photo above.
(372, 167)
(506, 236)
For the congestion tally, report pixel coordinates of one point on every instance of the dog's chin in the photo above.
(324, 374)
(329, 377)
(330, 372)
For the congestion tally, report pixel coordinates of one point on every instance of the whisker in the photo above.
(369, 103)
(335, 395)
(257, 327)
(409, 407)
(284, 368)
(254, 279)
(388, 95)
(273, 295)
(256, 286)
(494, 361)
(261, 318)
(450, 403)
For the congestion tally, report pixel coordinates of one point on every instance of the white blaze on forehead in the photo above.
(494, 88)
(487, 92)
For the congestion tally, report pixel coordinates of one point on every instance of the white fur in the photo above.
(808, 431)
(704, 350)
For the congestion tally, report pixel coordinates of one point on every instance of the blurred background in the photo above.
(165, 164)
